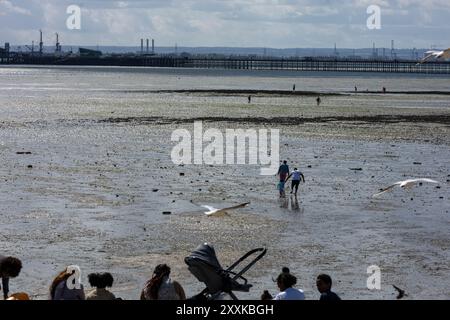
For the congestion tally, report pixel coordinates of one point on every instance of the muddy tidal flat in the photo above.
(86, 174)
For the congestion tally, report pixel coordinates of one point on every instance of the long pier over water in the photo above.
(242, 63)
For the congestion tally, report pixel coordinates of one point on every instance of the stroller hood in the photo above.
(203, 264)
(206, 254)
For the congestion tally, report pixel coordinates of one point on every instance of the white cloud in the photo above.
(7, 7)
(272, 23)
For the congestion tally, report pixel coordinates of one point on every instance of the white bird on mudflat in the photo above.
(220, 212)
(404, 184)
(435, 54)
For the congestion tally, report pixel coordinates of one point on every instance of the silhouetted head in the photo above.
(10, 267)
(295, 169)
(161, 270)
(266, 295)
(101, 280)
(285, 270)
(323, 283)
(286, 280)
(150, 291)
(285, 162)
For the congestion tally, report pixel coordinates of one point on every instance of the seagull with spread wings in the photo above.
(435, 54)
(224, 211)
(404, 184)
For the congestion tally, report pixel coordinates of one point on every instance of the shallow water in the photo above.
(90, 199)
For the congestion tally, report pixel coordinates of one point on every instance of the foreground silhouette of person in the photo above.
(9, 268)
(323, 284)
(285, 282)
(60, 291)
(161, 286)
(100, 281)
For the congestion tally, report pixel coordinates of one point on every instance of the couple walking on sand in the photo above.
(285, 175)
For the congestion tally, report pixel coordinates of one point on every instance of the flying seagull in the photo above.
(401, 293)
(435, 54)
(220, 212)
(404, 184)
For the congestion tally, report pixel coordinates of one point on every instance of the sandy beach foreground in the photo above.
(87, 174)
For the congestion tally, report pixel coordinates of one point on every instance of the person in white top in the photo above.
(297, 177)
(285, 281)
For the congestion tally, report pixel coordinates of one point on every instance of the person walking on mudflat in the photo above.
(297, 176)
(283, 172)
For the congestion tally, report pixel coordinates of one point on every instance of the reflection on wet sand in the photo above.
(291, 203)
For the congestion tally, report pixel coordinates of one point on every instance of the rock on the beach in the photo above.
(167, 212)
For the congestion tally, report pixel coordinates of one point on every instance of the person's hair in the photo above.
(19, 296)
(62, 276)
(101, 280)
(10, 267)
(325, 278)
(286, 279)
(284, 161)
(295, 169)
(285, 270)
(161, 271)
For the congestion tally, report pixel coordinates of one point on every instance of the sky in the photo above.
(231, 23)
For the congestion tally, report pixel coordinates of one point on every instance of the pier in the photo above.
(311, 64)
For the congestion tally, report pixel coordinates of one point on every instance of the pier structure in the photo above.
(312, 64)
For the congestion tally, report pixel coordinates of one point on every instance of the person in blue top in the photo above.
(297, 176)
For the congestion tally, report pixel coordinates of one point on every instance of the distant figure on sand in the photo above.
(384, 89)
(297, 176)
(318, 100)
(9, 268)
(249, 99)
(100, 281)
(161, 286)
(356, 89)
(293, 87)
(323, 284)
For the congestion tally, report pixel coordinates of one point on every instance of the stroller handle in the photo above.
(262, 251)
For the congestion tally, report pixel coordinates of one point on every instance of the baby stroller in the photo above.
(203, 264)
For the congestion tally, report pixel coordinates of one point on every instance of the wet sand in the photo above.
(101, 178)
